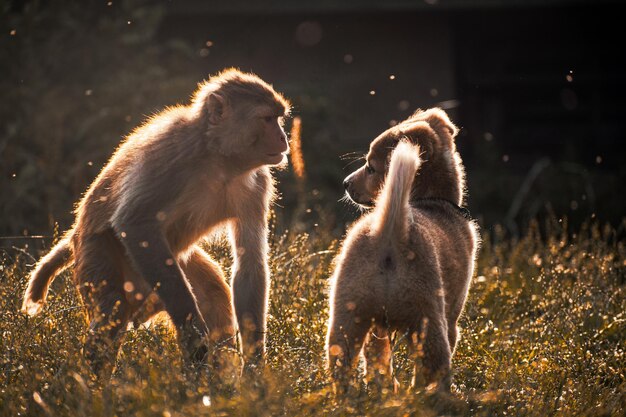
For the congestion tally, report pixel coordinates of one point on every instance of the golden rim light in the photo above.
(297, 161)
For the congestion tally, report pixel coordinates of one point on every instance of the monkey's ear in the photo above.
(216, 107)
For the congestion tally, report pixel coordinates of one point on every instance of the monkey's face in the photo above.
(249, 127)
(271, 144)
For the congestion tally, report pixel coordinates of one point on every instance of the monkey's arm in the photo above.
(250, 283)
(149, 251)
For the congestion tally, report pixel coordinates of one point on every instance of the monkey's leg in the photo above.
(378, 358)
(214, 300)
(152, 258)
(99, 277)
(346, 335)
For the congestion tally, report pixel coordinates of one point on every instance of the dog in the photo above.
(406, 265)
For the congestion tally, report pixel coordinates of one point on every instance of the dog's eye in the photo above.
(369, 169)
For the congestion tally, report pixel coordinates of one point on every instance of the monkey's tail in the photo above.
(392, 205)
(44, 273)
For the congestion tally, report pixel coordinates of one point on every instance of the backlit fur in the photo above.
(174, 180)
(406, 265)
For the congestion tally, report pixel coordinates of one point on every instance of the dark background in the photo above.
(537, 88)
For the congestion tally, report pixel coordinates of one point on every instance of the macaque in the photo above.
(186, 172)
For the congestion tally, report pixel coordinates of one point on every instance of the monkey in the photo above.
(186, 172)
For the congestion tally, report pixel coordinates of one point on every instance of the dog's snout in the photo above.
(346, 184)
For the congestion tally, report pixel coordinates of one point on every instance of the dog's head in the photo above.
(440, 176)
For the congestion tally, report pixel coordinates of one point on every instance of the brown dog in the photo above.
(406, 265)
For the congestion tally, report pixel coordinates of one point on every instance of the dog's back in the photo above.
(403, 251)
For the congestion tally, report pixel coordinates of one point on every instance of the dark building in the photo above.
(536, 86)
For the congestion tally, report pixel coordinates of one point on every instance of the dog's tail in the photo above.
(44, 273)
(392, 205)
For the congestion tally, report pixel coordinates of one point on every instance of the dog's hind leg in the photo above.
(346, 335)
(455, 300)
(378, 358)
(430, 344)
(453, 329)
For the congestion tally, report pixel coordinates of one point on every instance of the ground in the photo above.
(543, 334)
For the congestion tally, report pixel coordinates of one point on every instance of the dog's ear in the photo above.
(440, 122)
(422, 134)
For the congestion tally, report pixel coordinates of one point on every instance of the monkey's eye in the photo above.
(369, 169)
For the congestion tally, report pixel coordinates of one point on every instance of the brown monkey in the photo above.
(186, 171)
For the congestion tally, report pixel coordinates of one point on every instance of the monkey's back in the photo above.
(145, 155)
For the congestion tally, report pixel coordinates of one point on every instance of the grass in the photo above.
(543, 334)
